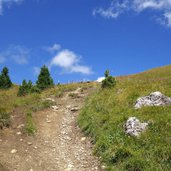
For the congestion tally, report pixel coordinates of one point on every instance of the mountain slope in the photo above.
(106, 111)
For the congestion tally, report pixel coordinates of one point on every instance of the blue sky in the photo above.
(80, 39)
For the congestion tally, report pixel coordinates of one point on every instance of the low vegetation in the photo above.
(30, 127)
(4, 118)
(106, 111)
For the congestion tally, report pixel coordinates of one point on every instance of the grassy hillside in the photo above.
(10, 102)
(106, 111)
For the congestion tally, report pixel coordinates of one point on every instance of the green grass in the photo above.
(4, 118)
(106, 111)
(9, 100)
(30, 127)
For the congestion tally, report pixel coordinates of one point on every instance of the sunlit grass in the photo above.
(106, 111)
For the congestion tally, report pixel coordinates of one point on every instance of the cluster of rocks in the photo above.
(133, 126)
(154, 99)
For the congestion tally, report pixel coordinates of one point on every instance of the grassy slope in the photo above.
(106, 111)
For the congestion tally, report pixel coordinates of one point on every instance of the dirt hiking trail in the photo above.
(58, 144)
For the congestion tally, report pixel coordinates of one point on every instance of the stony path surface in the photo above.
(58, 144)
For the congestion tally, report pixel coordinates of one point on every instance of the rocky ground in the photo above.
(58, 144)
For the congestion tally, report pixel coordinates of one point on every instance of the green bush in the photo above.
(5, 81)
(109, 81)
(44, 79)
(30, 127)
(27, 88)
(4, 118)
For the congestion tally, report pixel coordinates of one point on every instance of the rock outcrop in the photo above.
(154, 99)
(134, 127)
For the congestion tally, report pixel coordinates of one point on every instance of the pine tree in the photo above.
(5, 81)
(44, 79)
(109, 81)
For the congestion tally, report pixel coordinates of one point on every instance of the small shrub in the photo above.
(59, 94)
(135, 165)
(73, 95)
(109, 81)
(30, 127)
(120, 155)
(4, 119)
(35, 89)
(42, 105)
(27, 88)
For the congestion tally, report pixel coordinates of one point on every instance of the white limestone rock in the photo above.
(134, 127)
(154, 99)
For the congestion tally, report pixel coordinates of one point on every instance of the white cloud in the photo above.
(167, 16)
(7, 3)
(54, 48)
(100, 79)
(18, 54)
(113, 11)
(70, 62)
(116, 8)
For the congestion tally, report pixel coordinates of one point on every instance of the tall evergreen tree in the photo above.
(44, 79)
(5, 81)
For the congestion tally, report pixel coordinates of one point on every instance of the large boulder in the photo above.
(154, 99)
(134, 127)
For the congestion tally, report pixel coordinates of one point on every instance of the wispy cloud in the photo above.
(113, 11)
(70, 62)
(16, 53)
(117, 7)
(8, 3)
(56, 47)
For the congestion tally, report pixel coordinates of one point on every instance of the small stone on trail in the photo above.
(20, 126)
(21, 140)
(19, 133)
(0, 140)
(31, 169)
(103, 167)
(13, 151)
(74, 109)
(50, 99)
(83, 138)
(29, 143)
(48, 121)
(68, 107)
(55, 107)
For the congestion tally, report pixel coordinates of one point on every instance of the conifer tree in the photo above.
(44, 79)
(109, 81)
(5, 81)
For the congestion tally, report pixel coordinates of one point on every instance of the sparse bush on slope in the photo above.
(105, 113)
(27, 88)
(4, 118)
(109, 81)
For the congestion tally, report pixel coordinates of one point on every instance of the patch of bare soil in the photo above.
(58, 144)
